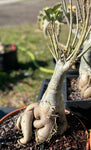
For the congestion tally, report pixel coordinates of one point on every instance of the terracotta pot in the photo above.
(15, 112)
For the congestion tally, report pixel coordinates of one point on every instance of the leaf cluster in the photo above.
(53, 14)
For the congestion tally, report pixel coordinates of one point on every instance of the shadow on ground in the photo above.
(7, 81)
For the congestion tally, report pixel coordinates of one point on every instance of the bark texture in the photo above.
(43, 115)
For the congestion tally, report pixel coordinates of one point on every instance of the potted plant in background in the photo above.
(8, 57)
(78, 90)
(78, 85)
(48, 116)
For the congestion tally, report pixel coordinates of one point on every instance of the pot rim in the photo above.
(15, 112)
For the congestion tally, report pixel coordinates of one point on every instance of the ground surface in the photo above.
(22, 12)
(14, 14)
(8, 1)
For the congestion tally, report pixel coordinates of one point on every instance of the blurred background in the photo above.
(20, 84)
(26, 61)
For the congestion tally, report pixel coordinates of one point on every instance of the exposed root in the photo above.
(43, 118)
(46, 124)
(87, 93)
(20, 143)
(45, 133)
(24, 123)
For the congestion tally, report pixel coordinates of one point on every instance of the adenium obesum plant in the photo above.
(43, 115)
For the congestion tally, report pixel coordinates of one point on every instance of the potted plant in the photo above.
(8, 57)
(74, 102)
(81, 69)
(47, 117)
(78, 86)
(78, 90)
(9, 134)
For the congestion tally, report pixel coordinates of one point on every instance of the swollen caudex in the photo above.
(85, 85)
(24, 123)
(44, 123)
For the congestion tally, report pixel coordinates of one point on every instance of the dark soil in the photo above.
(73, 139)
(73, 92)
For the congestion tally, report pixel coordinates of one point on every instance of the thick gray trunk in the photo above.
(53, 93)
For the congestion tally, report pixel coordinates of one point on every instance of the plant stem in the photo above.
(53, 92)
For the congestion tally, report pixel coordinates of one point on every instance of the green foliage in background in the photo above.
(27, 79)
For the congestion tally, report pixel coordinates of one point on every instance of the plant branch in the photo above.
(70, 30)
(89, 28)
(83, 33)
(79, 8)
(51, 52)
(84, 51)
(59, 53)
(75, 38)
(61, 45)
(53, 47)
(84, 10)
(64, 5)
(69, 57)
(65, 14)
(58, 30)
(55, 41)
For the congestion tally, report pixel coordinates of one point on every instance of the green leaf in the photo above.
(44, 17)
(48, 12)
(71, 49)
(56, 7)
(59, 16)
